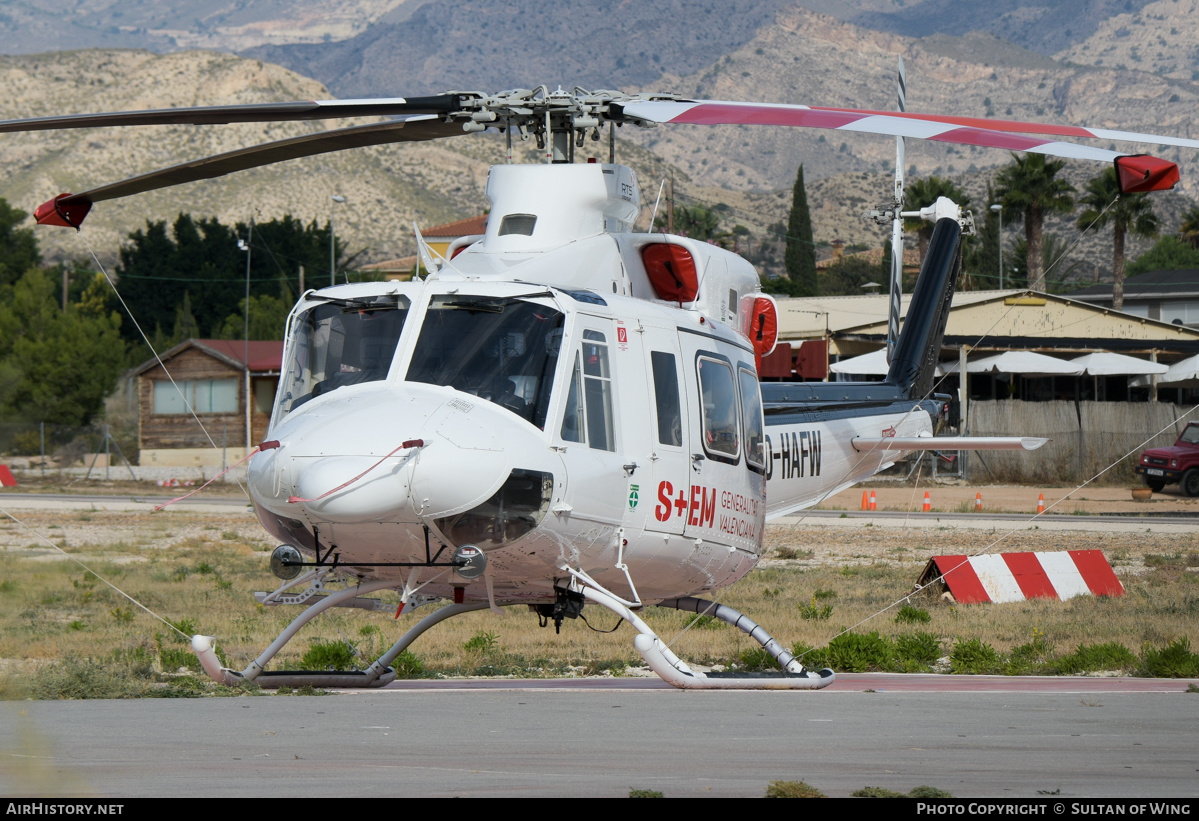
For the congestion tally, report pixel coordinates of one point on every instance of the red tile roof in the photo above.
(263, 355)
(461, 228)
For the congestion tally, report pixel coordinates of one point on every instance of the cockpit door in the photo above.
(589, 429)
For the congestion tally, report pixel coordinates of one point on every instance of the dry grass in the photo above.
(201, 571)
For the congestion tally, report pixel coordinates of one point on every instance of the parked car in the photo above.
(1178, 463)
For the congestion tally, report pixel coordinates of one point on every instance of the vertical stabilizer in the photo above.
(919, 345)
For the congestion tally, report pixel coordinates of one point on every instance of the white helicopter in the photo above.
(565, 411)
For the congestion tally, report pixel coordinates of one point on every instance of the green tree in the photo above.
(847, 275)
(1030, 186)
(697, 222)
(268, 316)
(800, 254)
(1057, 267)
(201, 258)
(980, 256)
(921, 194)
(1188, 232)
(57, 366)
(1125, 213)
(18, 246)
(1167, 254)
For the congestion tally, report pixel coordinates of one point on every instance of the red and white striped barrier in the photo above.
(1011, 577)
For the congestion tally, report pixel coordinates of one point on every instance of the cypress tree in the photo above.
(800, 254)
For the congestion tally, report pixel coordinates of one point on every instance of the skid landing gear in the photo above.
(657, 655)
(675, 672)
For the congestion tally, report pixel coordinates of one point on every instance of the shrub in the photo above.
(912, 615)
(917, 651)
(877, 792)
(328, 655)
(792, 789)
(973, 657)
(407, 665)
(857, 652)
(87, 678)
(815, 612)
(1175, 660)
(1091, 657)
(809, 657)
(645, 794)
(756, 658)
(482, 642)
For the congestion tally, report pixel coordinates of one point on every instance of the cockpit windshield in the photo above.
(504, 350)
(339, 343)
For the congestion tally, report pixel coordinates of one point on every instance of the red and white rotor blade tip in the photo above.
(1141, 175)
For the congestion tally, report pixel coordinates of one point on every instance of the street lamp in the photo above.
(337, 198)
(998, 209)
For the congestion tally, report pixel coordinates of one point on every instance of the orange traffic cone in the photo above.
(1040, 504)
(865, 500)
(873, 501)
(927, 502)
(978, 502)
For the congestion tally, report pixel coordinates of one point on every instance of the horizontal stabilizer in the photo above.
(861, 443)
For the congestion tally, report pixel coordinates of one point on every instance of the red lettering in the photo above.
(708, 511)
(662, 511)
(693, 508)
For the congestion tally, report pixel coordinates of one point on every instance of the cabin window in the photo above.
(340, 343)
(597, 387)
(718, 393)
(518, 224)
(754, 429)
(588, 416)
(666, 396)
(203, 395)
(502, 350)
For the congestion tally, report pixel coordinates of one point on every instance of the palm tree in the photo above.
(1189, 232)
(1030, 185)
(1125, 213)
(922, 193)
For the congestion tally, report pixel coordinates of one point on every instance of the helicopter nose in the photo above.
(387, 456)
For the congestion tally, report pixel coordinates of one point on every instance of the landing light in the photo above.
(470, 561)
(285, 562)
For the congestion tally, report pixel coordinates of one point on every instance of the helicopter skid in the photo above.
(671, 669)
(656, 653)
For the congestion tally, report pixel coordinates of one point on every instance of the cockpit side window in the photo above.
(336, 344)
(588, 417)
(502, 350)
(597, 388)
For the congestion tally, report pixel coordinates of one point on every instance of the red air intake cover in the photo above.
(671, 270)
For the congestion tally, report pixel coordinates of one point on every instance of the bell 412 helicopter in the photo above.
(565, 411)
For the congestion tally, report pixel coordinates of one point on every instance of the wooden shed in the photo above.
(212, 380)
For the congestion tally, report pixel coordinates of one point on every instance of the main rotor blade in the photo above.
(1137, 172)
(70, 209)
(252, 113)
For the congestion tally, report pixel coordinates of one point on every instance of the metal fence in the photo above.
(46, 447)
